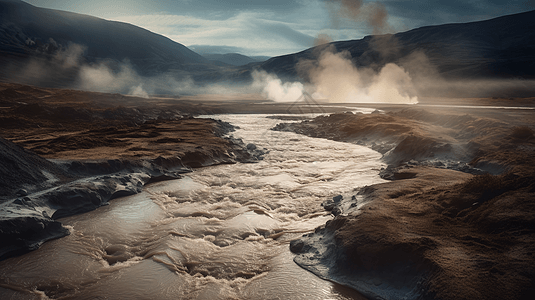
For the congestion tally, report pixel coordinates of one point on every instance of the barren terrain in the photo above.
(456, 222)
(64, 152)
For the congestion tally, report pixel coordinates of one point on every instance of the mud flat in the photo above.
(457, 219)
(65, 152)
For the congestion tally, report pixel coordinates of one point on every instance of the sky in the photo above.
(278, 27)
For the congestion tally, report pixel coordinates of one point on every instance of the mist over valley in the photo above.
(339, 149)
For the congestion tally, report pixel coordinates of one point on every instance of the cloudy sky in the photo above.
(280, 27)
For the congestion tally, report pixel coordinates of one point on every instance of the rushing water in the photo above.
(222, 232)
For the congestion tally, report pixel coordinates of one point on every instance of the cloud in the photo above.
(233, 23)
(106, 8)
(276, 30)
(251, 32)
(434, 12)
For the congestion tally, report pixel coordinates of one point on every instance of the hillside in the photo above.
(62, 41)
(502, 47)
(234, 59)
(53, 48)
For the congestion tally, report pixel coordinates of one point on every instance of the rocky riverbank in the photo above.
(414, 136)
(31, 206)
(433, 232)
(61, 156)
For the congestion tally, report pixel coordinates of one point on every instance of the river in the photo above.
(221, 232)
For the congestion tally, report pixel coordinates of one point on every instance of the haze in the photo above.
(272, 28)
(386, 166)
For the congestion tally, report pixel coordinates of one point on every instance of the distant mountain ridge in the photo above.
(235, 59)
(27, 31)
(103, 38)
(502, 47)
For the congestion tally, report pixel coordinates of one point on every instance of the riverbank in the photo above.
(67, 152)
(221, 232)
(457, 219)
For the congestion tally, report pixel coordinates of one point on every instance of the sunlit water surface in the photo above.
(222, 232)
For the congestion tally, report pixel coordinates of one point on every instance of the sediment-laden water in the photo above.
(220, 233)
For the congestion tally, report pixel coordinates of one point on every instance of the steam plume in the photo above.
(374, 14)
(67, 67)
(335, 77)
(274, 89)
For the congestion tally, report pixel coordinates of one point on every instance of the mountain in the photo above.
(502, 47)
(260, 58)
(235, 59)
(24, 25)
(51, 48)
(29, 32)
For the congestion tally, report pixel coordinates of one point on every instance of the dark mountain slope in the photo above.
(20, 167)
(234, 59)
(503, 47)
(28, 32)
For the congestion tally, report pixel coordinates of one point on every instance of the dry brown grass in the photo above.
(522, 132)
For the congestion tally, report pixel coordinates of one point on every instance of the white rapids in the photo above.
(221, 232)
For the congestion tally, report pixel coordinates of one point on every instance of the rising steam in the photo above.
(374, 14)
(334, 77)
(111, 76)
(329, 76)
(274, 89)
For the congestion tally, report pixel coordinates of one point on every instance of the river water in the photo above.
(221, 232)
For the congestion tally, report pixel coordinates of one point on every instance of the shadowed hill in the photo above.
(24, 24)
(28, 32)
(502, 47)
(234, 59)
(19, 166)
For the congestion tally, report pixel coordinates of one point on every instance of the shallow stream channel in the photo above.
(221, 232)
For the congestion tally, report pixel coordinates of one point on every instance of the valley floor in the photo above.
(456, 221)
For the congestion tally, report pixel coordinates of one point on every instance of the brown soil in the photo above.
(150, 139)
(83, 126)
(68, 124)
(104, 145)
(72, 124)
(472, 236)
(469, 237)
